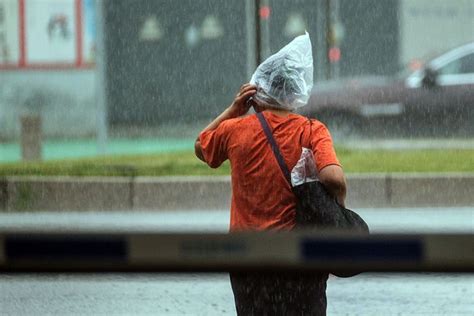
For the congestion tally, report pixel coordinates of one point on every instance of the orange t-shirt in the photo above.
(261, 196)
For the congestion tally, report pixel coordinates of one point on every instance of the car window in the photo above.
(464, 65)
(467, 64)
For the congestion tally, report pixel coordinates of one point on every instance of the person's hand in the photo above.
(240, 106)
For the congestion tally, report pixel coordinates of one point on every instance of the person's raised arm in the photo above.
(239, 107)
(332, 177)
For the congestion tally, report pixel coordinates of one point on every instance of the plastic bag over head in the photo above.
(285, 79)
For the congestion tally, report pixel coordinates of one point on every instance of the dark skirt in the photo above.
(279, 293)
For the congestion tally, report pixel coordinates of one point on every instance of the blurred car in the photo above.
(435, 100)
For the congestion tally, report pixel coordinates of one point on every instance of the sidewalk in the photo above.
(409, 144)
(80, 148)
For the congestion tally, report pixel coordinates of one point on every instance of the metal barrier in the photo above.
(291, 251)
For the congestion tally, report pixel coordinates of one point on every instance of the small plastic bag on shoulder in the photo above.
(285, 79)
(305, 169)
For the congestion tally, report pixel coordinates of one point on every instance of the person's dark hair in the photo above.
(284, 84)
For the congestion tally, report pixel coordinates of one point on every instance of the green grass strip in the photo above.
(185, 163)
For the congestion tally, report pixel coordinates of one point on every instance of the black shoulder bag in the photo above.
(315, 207)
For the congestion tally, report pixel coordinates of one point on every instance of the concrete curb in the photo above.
(213, 192)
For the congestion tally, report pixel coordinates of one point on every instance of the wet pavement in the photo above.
(391, 220)
(210, 294)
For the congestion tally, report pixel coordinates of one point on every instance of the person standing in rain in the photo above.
(262, 198)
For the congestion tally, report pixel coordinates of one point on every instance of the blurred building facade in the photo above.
(47, 66)
(170, 61)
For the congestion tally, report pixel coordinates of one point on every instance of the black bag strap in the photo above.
(274, 146)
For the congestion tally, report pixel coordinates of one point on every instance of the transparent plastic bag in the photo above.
(305, 169)
(285, 79)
